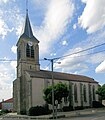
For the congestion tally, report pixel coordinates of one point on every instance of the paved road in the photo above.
(97, 116)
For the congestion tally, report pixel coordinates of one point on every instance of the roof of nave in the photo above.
(60, 76)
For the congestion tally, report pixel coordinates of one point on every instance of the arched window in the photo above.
(18, 54)
(29, 51)
(94, 92)
(32, 52)
(75, 93)
(84, 93)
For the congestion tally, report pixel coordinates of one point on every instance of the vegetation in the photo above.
(4, 112)
(39, 110)
(96, 104)
(60, 91)
(23, 112)
(67, 108)
(101, 92)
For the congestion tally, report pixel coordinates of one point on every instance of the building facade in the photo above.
(7, 104)
(31, 80)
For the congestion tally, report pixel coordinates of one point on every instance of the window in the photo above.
(94, 92)
(29, 51)
(32, 52)
(84, 92)
(75, 93)
(18, 54)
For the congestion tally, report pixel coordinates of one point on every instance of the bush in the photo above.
(5, 111)
(96, 104)
(23, 112)
(39, 110)
(79, 108)
(67, 108)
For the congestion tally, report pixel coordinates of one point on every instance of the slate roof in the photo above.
(27, 31)
(60, 76)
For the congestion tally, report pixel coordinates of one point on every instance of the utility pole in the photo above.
(52, 62)
(52, 76)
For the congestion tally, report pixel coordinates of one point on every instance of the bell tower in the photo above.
(27, 60)
(27, 50)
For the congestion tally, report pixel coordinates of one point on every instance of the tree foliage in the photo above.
(60, 91)
(101, 91)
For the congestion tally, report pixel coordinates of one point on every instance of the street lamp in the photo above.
(52, 61)
(53, 103)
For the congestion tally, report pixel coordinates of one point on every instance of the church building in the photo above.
(31, 80)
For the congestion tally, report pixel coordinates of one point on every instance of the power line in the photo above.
(88, 54)
(80, 51)
(11, 60)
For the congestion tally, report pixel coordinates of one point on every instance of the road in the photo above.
(97, 116)
(94, 116)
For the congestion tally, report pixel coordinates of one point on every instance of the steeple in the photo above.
(27, 28)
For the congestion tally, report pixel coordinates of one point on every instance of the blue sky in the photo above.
(63, 27)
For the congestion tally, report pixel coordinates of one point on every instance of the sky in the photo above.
(63, 27)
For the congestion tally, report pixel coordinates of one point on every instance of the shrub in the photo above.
(96, 104)
(79, 108)
(5, 111)
(67, 108)
(39, 110)
(23, 112)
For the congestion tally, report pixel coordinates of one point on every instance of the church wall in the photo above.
(28, 91)
(80, 94)
(37, 91)
(15, 95)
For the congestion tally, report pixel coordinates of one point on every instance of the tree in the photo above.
(60, 91)
(101, 91)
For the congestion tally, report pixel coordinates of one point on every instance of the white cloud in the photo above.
(8, 21)
(101, 68)
(14, 49)
(7, 75)
(3, 29)
(55, 22)
(13, 64)
(81, 64)
(64, 42)
(73, 62)
(6, 72)
(74, 26)
(53, 54)
(93, 16)
(96, 58)
(6, 1)
(84, 1)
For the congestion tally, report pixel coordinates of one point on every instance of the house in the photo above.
(31, 80)
(7, 104)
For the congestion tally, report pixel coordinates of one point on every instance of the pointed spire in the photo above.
(27, 28)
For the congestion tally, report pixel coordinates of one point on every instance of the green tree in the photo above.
(101, 91)
(60, 91)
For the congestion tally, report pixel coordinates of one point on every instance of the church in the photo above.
(31, 80)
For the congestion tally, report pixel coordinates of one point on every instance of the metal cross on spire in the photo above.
(26, 6)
